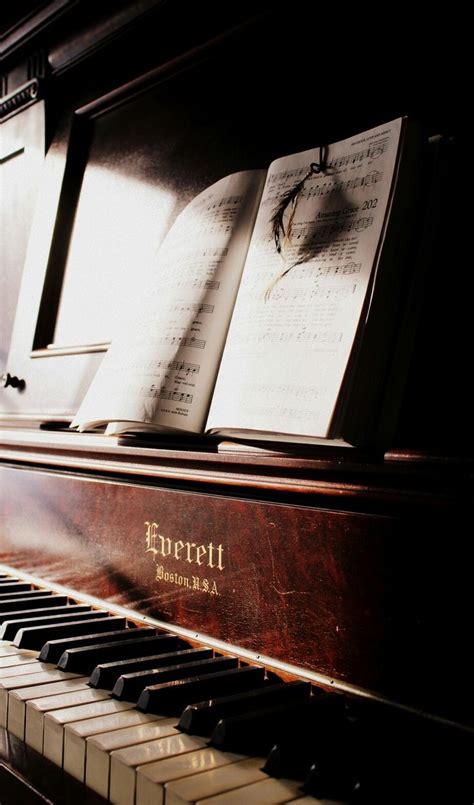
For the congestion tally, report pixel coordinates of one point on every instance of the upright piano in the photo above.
(344, 569)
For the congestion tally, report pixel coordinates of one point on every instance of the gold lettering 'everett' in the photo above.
(209, 555)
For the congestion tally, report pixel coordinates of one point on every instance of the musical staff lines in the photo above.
(178, 341)
(182, 367)
(373, 151)
(281, 413)
(207, 285)
(310, 393)
(218, 217)
(322, 185)
(322, 231)
(154, 392)
(224, 201)
(176, 396)
(215, 251)
(197, 307)
(325, 271)
(151, 367)
(334, 293)
(302, 336)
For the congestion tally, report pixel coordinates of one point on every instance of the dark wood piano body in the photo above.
(346, 567)
(336, 574)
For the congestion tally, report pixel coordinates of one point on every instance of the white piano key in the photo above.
(53, 739)
(51, 688)
(215, 782)
(27, 680)
(77, 747)
(7, 649)
(18, 700)
(31, 667)
(123, 762)
(18, 659)
(266, 792)
(94, 726)
(152, 778)
(37, 708)
(96, 751)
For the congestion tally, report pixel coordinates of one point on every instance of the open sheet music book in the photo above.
(233, 337)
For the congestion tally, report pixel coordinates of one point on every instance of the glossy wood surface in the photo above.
(373, 600)
(21, 160)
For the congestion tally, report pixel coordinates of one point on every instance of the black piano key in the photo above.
(327, 719)
(54, 649)
(105, 675)
(429, 761)
(29, 591)
(130, 686)
(255, 729)
(14, 587)
(259, 730)
(203, 717)
(27, 600)
(36, 636)
(335, 772)
(333, 778)
(84, 660)
(293, 757)
(23, 613)
(10, 627)
(171, 698)
(26, 594)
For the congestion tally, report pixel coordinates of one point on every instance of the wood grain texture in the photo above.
(377, 601)
(397, 481)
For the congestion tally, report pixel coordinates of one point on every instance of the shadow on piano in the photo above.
(144, 716)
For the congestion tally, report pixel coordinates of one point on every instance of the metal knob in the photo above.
(6, 379)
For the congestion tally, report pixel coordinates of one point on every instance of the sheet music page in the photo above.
(162, 369)
(290, 338)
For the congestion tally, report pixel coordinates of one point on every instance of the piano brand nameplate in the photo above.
(165, 550)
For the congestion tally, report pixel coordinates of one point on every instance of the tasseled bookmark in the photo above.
(282, 236)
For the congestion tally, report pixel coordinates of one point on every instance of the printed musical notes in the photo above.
(374, 151)
(298, 310)
(216, 216)
(210, 348)
(177, 341)
(323, 185)
(191, 307)
(299, 336)
(176, 396)
(207, 285)
(166, 394)
(184, 312)
(179, 366)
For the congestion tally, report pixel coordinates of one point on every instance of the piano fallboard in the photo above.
(372, 598)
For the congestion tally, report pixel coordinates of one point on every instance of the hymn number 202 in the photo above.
(370, 204)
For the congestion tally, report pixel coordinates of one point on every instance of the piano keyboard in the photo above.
(142, 716)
